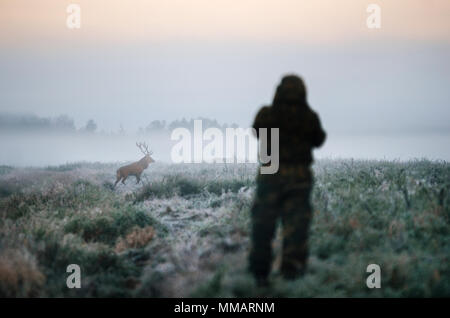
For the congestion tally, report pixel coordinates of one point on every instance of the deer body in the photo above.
(135, 168)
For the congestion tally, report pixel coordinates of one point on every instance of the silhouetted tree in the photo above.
(91, 126)
(63, 122)
(155, 126)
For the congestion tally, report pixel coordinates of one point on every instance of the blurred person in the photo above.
(286, 194)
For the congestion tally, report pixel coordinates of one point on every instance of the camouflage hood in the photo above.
(291, 91)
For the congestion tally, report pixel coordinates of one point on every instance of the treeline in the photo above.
(64, 123)
(29, 122)
(163, 126)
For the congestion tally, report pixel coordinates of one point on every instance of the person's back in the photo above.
(286, 194)
(300, 128)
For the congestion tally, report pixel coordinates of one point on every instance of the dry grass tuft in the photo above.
(137, 238)
(19, 274)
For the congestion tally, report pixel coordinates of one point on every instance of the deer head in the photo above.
(147, 153)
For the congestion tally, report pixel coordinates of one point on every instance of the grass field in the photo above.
(185, 231)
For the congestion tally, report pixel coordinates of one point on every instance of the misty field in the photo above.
(185, 230)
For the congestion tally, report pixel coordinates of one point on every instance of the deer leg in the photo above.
(138, 178)
(123, 180)
(117, 180)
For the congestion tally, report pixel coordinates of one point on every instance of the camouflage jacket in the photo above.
(300, 131)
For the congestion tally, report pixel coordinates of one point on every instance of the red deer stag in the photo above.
(135, 168)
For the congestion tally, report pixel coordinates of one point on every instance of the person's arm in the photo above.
(262, 119)
(319, 134)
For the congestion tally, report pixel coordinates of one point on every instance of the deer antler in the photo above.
(144, 148)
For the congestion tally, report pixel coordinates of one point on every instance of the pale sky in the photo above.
(135, 61)
(292, 21)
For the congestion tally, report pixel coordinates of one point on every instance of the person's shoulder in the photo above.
(264, 113)
(263, 116)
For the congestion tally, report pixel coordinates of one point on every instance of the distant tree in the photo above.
(91, 126)
(63, 122)
(181, 124)
(206, 123)
(156, 125)
(209, 123)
